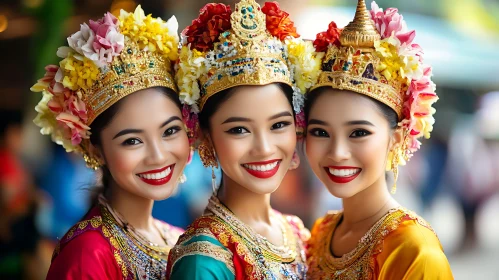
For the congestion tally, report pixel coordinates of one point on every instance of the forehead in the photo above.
(143, 107)
(341, 105)
(254, 102)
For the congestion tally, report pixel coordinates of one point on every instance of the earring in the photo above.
(182, 179)
(395, 169)
(207, 155)
(213, 181)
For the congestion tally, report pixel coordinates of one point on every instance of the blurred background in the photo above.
(453, 182)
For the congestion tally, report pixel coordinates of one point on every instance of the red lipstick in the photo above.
(342, 179)
(263, 174)
(157, 182)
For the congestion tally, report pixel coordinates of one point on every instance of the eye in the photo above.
(280, 125)
(237, 130)
(317, 132)
(170, 131)
(131, 142)
(360, 133)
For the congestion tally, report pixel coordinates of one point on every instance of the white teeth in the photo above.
(344, 172)
(264, 167)
(156, 176)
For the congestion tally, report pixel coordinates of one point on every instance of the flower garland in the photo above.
(402, 59)
(62, 113)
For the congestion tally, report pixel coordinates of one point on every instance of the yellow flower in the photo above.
(77, 73)
(305, 61)
(191, 66)
(151, 33)
(390, 64)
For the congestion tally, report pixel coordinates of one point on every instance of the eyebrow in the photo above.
(359, 122)
(356, 122)
(241, 119)
(133, 130)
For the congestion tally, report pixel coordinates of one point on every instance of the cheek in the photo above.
(180, 148)
(315, 150)
(372, 153)
(286, 141)
(122, 162)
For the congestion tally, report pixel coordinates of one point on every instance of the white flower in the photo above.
(82, 42)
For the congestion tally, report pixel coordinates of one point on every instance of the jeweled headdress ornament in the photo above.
(375, 55)
(105, 61)
(222, 49)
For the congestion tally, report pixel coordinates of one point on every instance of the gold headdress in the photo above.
(106, 60)
(250, 46)
(374, 55)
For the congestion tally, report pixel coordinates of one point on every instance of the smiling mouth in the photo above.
(342, 174)
(157, 177)
(264, 169)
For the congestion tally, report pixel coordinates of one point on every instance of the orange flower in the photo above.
(278, 23)
(331, 36)
(204, 31)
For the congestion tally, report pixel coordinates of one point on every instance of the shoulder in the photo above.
(297, 226)
(411, 247)
(200, 251)
(405, 228)
(86, 256)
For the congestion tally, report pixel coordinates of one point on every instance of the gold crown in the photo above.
(245, 55)
(131, 71)
(353, 65)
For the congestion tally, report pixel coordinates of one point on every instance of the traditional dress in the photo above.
(401, 245)
(219, 246)
(101, 246)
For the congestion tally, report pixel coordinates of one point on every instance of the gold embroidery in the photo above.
(204, 248)
(359, 263)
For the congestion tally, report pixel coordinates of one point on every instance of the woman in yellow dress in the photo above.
(371, 103)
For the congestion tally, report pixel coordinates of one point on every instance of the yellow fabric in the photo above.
(401, 245)
(412, 251)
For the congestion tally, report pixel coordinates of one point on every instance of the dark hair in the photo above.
(101, 122)
(389, 113)
(214, 102)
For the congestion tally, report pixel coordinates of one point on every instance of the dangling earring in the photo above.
(182, 179)
(395, 169)
(213, 181)
(207, 155)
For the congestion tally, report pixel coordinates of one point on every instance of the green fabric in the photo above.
(201, 267)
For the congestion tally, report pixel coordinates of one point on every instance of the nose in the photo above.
(339, 151)
(156, 154)
(263, 145)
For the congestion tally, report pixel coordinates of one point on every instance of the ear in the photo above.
(397, 138)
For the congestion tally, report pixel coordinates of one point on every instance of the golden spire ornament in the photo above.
(361, 32)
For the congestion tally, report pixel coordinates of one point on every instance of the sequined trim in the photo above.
(134, 259)
(360, 262)
(259, 259)
(203, 248)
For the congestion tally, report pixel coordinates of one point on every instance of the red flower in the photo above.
(278, 23)
(331, 36)
(204, 31)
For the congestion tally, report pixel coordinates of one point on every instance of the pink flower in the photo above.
(108, 42)
(390, 23)
(77, 128)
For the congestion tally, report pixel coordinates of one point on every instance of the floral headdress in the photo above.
(105, 61)
(222, 49)
(375, 55)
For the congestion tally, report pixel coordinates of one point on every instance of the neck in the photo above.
(248, 206)
(368, 205)
(136, 210)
